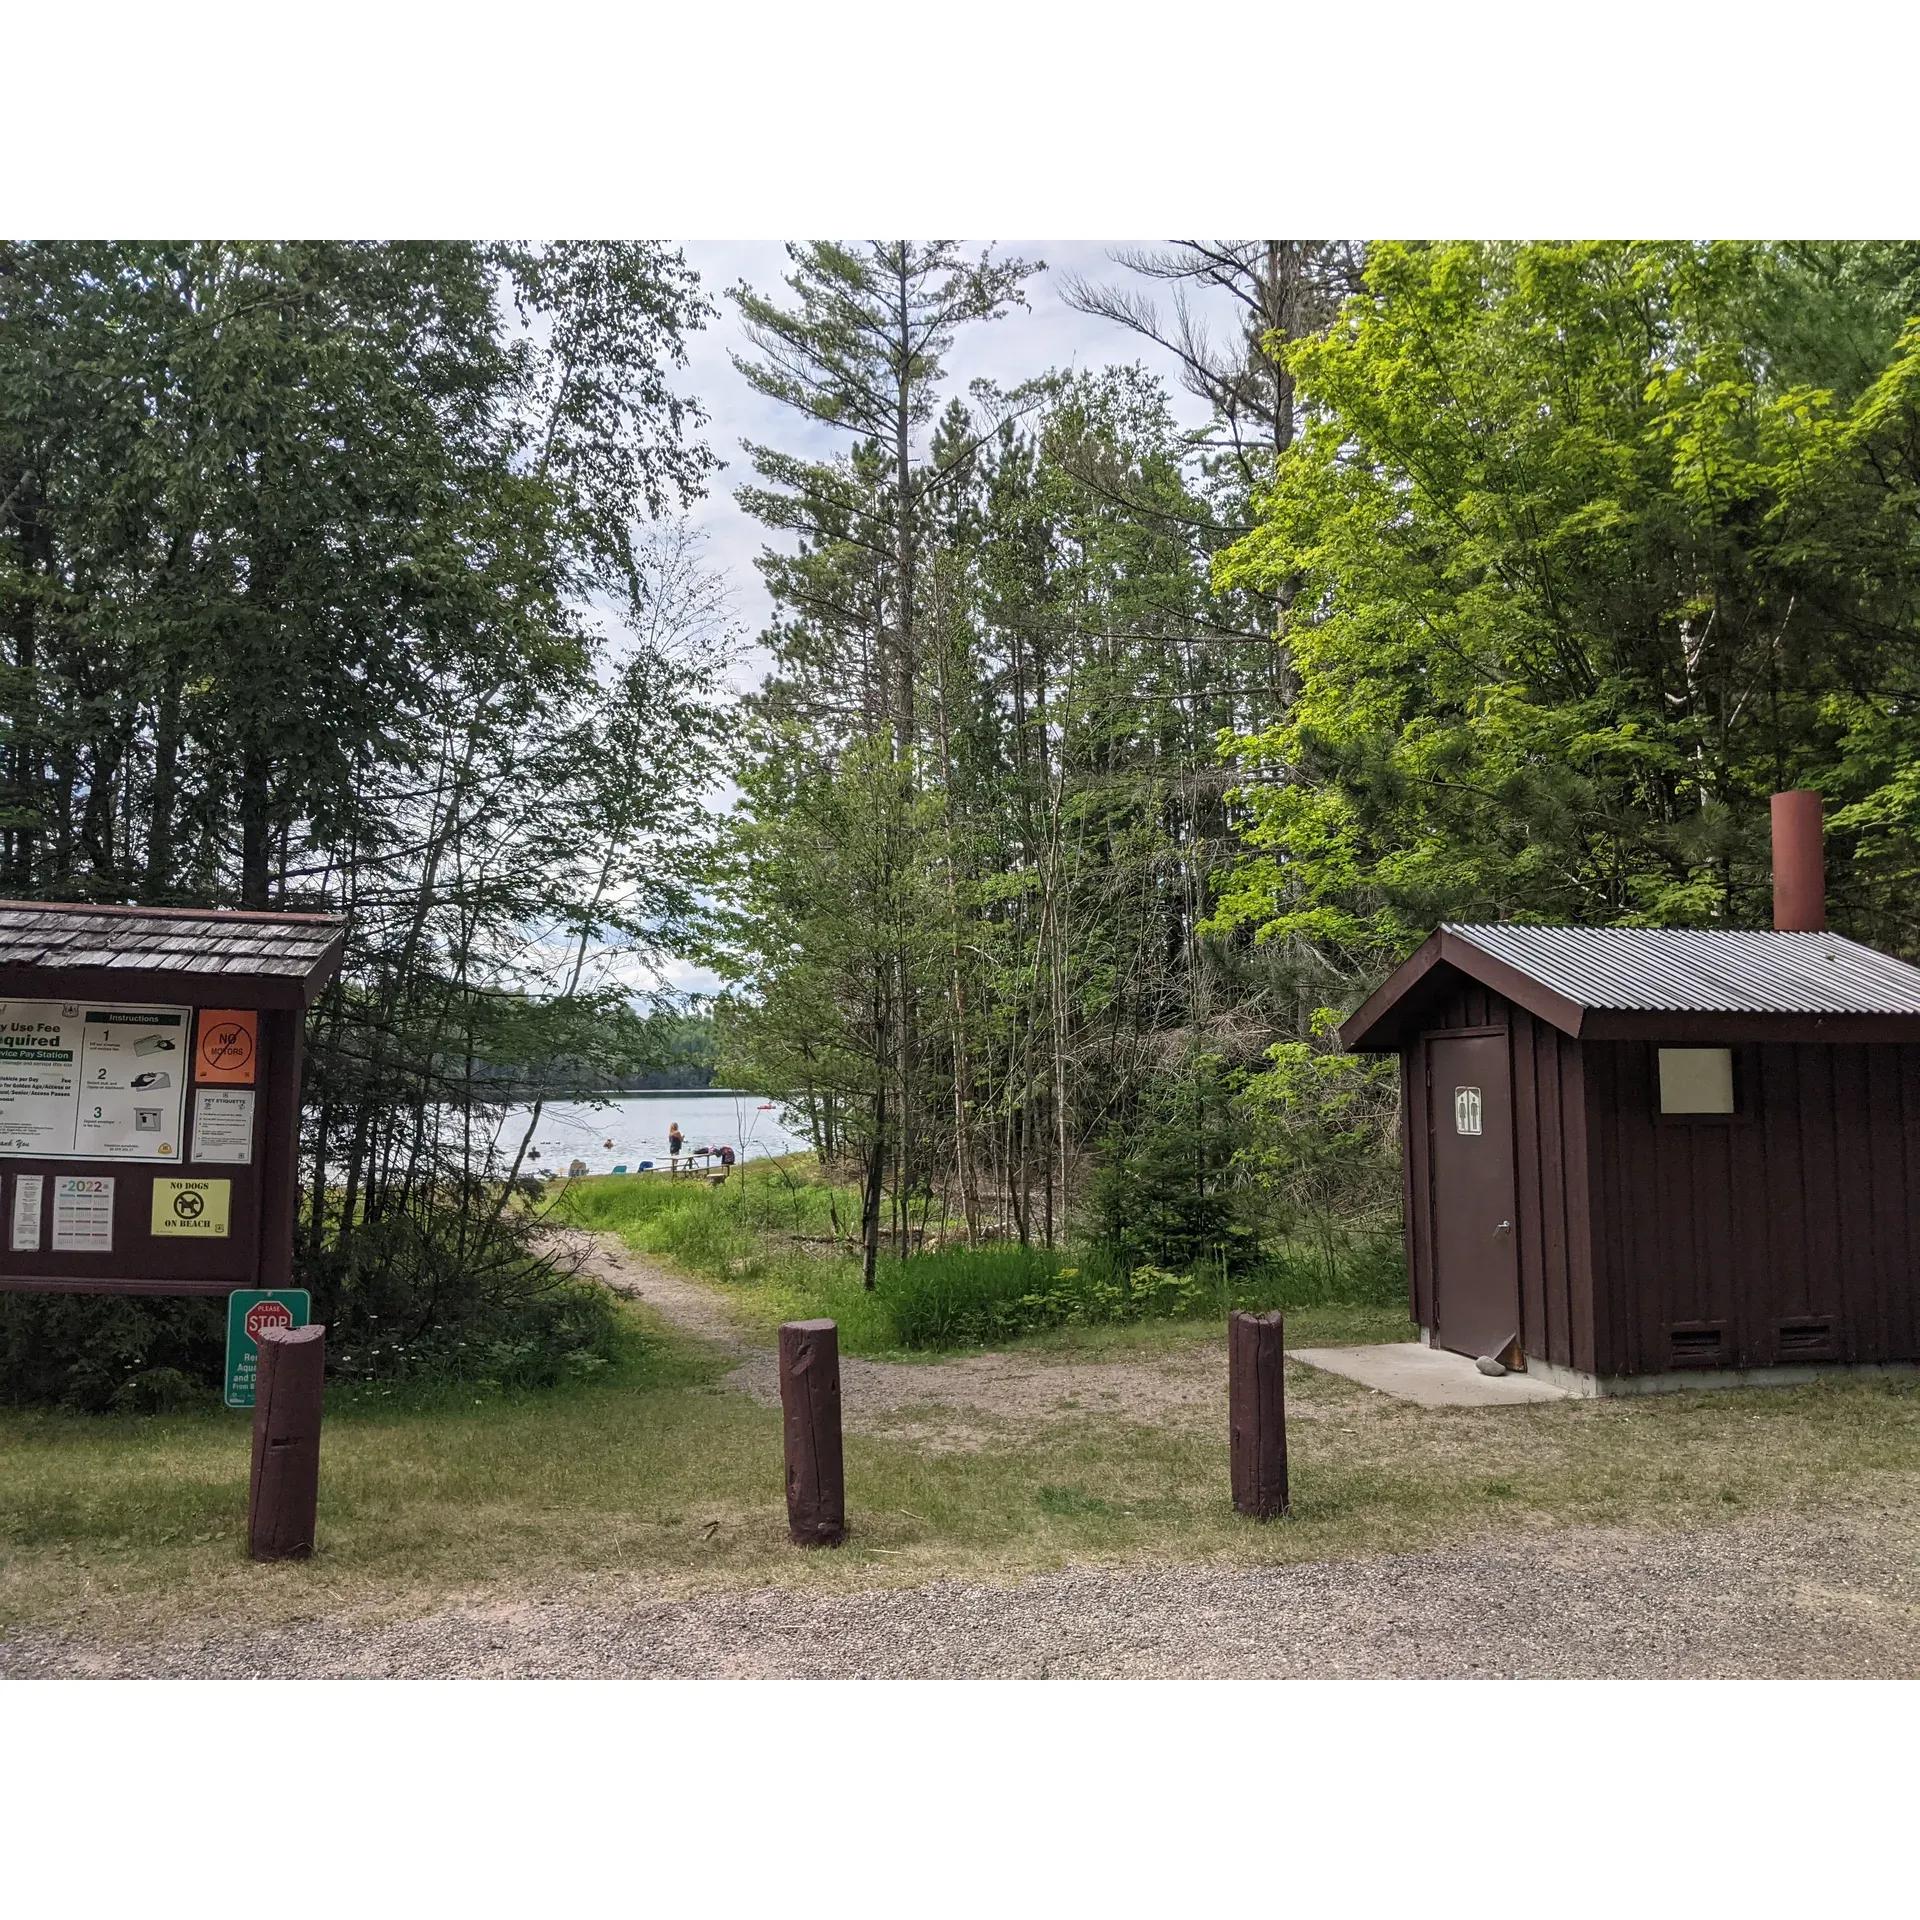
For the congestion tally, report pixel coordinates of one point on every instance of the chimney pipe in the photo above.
(1799, 865)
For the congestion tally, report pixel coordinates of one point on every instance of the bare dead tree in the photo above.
(1284, 289)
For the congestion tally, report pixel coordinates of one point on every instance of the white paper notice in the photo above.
(27, 1193)
(223, 1124)
(92, 1082)
(82, 1213)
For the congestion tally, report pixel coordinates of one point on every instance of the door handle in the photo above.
(1505, 1226)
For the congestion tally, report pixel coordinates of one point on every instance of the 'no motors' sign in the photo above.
(248, 1316)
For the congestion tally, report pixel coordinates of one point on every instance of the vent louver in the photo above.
(1806, 1339)
(1698, 1346)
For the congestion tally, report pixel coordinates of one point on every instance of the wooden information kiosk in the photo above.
(150, 1095)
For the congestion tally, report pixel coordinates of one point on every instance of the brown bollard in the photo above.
(285, 1496)
(810, 1409)
(1257, 1411)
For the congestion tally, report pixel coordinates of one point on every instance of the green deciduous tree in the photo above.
(324, 584)
(1595, 546)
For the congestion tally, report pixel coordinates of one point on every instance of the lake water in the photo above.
(636, 1125)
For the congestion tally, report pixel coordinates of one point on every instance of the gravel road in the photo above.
(1827, 1594)
(1763, 1599)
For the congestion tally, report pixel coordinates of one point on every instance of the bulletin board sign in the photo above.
(86, 1082)
(150, 1066)
(226, 1046)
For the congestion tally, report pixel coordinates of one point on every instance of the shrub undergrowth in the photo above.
(100, 1352)
(399, 1305)
(409, 1306)
(768, 1234)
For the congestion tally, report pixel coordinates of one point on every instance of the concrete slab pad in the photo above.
(1428, 1376)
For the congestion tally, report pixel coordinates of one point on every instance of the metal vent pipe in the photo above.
(1799, 864)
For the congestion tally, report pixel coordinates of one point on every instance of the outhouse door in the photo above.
(1476, 1279)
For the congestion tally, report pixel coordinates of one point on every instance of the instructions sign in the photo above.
(93, 1082)
(196, 1209)
(228, 1048)
(247, 1314)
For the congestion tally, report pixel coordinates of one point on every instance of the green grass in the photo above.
(651, 1477)
(1342, 1326)
(768, 1235)
(658, 1481)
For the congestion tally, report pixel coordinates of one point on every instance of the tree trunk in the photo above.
(160, 884)
(870, 1194)
(255, 839)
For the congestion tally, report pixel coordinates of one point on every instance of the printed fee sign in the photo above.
(82, 1081)
(247, 1314)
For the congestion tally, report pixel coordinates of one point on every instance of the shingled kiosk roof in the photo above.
(132, 953)
(1681, 983)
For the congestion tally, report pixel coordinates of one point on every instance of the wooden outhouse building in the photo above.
(1638, 1157)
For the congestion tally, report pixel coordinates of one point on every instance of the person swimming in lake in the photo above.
(675, 1141)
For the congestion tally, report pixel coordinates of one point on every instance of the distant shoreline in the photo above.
(575, 1094)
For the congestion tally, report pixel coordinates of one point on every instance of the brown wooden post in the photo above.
(281, 1036)
(1257, 1411)
(285, 1496)
(810, 1409)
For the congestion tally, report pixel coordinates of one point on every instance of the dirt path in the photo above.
(689, 1306)
(948, 1405)
(1784, 1597)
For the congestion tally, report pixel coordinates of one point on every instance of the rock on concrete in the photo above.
(1428, 1376)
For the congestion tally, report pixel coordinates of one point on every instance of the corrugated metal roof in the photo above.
(286, 946)
(1703, 969)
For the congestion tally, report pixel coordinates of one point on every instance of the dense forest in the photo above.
(1103, 761)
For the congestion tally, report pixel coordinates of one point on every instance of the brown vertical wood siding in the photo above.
(1551, 1170)
(1789, 1229)
(1785, 1233)
(1416, 1176)
(1789, 1232)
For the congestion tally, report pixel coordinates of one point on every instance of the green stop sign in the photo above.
(248, 1316)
